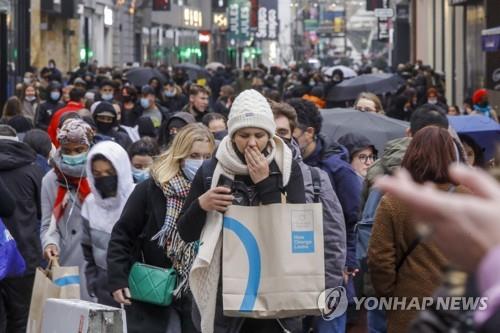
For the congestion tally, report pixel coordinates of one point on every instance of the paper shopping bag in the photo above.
(273, 260)
(53, 282)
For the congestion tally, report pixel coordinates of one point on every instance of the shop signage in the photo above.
(192, 18)
(108, 16)
(267, 27)
(239, 20)
(384, 12)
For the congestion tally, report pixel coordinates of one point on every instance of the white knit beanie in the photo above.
(251, 109)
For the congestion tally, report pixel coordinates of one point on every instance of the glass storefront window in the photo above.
(475, 23)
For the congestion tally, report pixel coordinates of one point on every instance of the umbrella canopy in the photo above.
(213, 66)
(485, 131)
(348, 72)
(194, 71)
(140, 76)
(377, 128)
(379, 84)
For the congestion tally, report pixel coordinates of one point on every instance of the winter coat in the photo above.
(421, 272)
(332, 158)
(45, 112)
(22, 179)
(100, 215)
(333, 220)
(192, 220)
(141, 219)
(29, 110)
(176, 103)
(130, 117)
(67, 235)
(391, 160)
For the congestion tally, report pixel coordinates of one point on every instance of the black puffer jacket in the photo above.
(23, 179)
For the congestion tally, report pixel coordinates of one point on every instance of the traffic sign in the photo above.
(384, 12)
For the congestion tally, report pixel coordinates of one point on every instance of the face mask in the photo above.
(107, 186)
(191, 167)
(30, 98)
(55, 95)
(126, 99)
(107, 97)
(27, 80)
(145, 103)
(169, 93)
(104, 127)
(74, 159)
(432, 101)
(51, 66)
(312, 83)
(140, 174)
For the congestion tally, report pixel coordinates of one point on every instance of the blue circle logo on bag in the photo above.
(335, 303)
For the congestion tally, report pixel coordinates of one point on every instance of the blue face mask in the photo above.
(169, 93)
(145, 103)
(55, 95)
(140, 174)
(107, 97)
(190, 167)
(74, 159)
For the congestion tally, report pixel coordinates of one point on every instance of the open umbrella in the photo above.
(348, 72)
(194, 71)
(214, 65)
(379, 84)
(141, 76)
(485, 131)
(377, 128)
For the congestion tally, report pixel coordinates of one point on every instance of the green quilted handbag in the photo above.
(152, 284)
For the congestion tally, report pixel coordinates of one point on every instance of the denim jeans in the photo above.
(337, 325)
(376, 321)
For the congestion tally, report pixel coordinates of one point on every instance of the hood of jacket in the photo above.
(15, 154)
(329, 147)
(118, 157)
(393, 156)
(101, 213)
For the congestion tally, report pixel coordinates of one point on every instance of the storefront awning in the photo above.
(491, 39)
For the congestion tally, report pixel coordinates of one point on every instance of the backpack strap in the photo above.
(316, 182)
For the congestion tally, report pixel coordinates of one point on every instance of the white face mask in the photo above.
(190, 167)
(27, 80)
(30, 98)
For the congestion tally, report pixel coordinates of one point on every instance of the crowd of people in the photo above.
(100, 174)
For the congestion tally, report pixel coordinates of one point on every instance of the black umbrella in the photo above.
(194, 71)
(377, 128)
(141, 76)
(379, 84)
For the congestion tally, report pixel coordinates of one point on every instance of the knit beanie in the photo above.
(251, 109)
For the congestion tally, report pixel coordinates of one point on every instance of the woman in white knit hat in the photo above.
(252, 166)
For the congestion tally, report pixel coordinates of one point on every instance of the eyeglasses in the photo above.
(365, 158)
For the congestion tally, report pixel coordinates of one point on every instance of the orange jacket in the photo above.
(320, 103)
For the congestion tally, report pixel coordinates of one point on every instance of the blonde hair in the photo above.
(371, 97)
(168, 164)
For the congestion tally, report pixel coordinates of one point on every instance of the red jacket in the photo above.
(54, 122)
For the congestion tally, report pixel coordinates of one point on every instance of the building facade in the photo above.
(447, 34)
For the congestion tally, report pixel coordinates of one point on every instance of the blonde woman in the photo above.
(368, 102)
(146, 231)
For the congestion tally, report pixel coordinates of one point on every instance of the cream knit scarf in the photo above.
(205, 272)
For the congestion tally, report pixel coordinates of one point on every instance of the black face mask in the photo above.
(107, 186)
(104, 127)
(126, 99)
